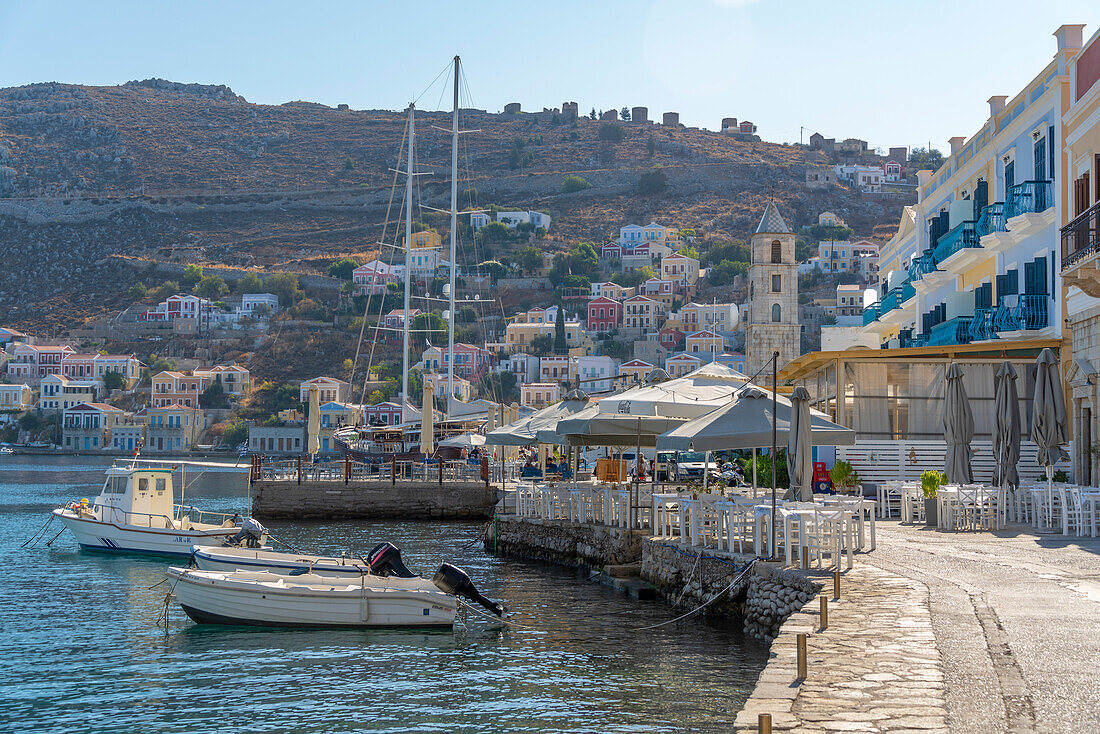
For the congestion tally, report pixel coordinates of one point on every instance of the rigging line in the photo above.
(382, 303)
(432, 84)
(366, 309)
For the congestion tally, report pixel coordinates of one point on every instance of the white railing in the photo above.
(885, 461)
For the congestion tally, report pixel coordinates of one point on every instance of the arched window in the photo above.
(777, 252)
(777, 313)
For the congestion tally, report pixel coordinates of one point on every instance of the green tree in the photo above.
(30, 422)
(652, 182)
(416, 386)
(610, 132)
(234, 432)
(211, 287)
(429, 327)
(614, 349)
(285, 286)
(921, 159)
(113, 380)
(561, 346)
(572, 183)
(541, 345)
(138, 291)
(529, 259)
(468, 197)
(689, 252)
(494, 232)
(250, 283)
(467, 315)
(214, 396)
(493, 268)
(724, 272)
(343, 268)
(192, 274)
(348, 163)
(736, 251)
(499, 387)
(625, 114)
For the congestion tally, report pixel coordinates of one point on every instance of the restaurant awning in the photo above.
(526, 432)
(695, 394)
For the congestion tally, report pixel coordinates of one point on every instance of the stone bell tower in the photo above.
(773, 296)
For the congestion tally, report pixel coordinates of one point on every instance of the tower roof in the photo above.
(772, 222)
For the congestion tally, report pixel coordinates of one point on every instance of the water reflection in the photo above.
(80, 650)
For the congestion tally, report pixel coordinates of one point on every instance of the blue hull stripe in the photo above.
(119, 549)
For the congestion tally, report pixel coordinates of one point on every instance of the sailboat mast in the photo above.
(408, 268)
(454, 227)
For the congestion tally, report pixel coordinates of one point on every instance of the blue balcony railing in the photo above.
(992, 219)
(891, 301)
(871, 313)
(1030, 197)
(1030, 311)
(907, 291)
(922, 265)
(954, 331)
(959, 238)
(981, 326)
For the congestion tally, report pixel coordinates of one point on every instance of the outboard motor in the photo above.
(250, 535)
(454, 581)
(385, 560)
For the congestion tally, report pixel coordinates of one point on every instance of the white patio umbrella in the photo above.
(463, 441)
(1048, 413)
(313, 424)
(592, 427)
(958, 428)
(746, 422)
(427, 420)
(800, 447)
(690, 396)
(1006, 431)
(525, 432)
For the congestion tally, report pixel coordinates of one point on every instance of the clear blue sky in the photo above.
(893, 72)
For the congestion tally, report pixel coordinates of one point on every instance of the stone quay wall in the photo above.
(684, 576)
(288, 500)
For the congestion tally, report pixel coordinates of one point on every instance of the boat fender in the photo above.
(456, 582)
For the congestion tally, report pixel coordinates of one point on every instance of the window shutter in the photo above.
(1050, 151)
(981, 197)
(1010, 175)
(1035, 277)
(1041, 159)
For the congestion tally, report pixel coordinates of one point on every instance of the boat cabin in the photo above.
(138, 496)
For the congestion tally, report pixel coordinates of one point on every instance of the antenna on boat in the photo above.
(454, 228)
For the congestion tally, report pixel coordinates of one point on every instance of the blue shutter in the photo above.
(981, 197)
(1050, 151)
(1035, 277)
(1010, 176)
(1040, 159)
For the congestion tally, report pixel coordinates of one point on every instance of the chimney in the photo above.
(956, 144)
(1069, 37)
(996, 103)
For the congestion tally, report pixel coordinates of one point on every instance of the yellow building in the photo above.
(427, 239)
(1079, 191)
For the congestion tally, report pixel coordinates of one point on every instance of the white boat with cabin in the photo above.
(136, 512)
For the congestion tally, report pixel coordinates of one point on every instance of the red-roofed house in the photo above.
(87, 427)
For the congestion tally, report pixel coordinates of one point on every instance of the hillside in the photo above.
(197, 173)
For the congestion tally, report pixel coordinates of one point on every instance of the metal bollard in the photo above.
(804, 555)
(801, 645)
(836, 584)
(764, 723)
(824, 613)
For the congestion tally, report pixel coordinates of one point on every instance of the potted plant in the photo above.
(844, 476)
(931, 481)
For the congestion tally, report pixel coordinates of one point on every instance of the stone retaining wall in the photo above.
(684, 576)
(288, 500)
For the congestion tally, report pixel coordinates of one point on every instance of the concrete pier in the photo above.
(286, 499)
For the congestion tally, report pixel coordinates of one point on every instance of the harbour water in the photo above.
(81, 649)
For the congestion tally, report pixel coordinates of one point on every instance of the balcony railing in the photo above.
(1029, 197)
(992, 219)
(1081, 237)
(955, 331)
(981, 326)
(959, 238)
(922, 265)
(891, 300)
(1029, 312)
(907, 291)
(871, 313)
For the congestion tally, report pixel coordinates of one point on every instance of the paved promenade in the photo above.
(875, 669)
(1016, 616)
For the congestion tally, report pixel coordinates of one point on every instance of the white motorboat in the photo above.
(380, 592)
(135, 512)
(211, 558)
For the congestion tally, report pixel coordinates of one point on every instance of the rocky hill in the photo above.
(195, 173)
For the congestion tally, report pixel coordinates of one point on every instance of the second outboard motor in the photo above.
(453, 580)
(385, 560)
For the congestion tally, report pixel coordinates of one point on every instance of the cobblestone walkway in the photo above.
(875, 669)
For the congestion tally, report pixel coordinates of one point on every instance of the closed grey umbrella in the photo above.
(1006, 432)
(958, 428)
(1048, 412)
(800, 447)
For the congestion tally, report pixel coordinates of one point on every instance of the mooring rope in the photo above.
(704, 604)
